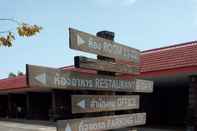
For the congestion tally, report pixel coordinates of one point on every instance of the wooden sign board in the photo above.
(38, 76)
(92, 64)
(99, 103)
(89, 43)
(102, 123)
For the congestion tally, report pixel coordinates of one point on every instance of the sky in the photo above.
(141, 24)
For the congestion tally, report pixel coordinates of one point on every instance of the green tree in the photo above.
(11, 75)
(22, 29)
(19, 73)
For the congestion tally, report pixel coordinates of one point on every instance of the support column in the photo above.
(60, 105)
(28, 106)
(52, 110)
(192, 107)
(10, 110)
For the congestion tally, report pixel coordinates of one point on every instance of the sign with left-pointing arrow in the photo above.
(38, 76)
(99, 103)
(102, 123)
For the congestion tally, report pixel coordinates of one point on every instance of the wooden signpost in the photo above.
(102, 123)
(38, 76)
(99, 103)
(105, 80)
(92, 64)
(89, 43)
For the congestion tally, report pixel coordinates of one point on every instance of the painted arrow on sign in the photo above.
(80, 40)
(41, 78)
(82, 104)
(100, 103)
(102, 123)
(68, 128)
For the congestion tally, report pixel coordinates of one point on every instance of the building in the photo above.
(173, 102)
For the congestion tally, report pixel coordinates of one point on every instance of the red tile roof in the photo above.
(176, 56)
(13, 83)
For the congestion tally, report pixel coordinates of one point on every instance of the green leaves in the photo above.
(12, 74)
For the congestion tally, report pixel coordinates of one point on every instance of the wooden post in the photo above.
(110, 36)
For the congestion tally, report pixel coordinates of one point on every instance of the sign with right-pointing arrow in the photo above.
(99, 103)
(102, 123)
(89, 43)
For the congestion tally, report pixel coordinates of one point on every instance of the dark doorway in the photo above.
(3, 106)
(167, 105)
(38, 105)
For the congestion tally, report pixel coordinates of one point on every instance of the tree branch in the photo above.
(10, 19)
(7, 31)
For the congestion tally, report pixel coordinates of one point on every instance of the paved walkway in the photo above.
(159, 129)
(13, 126)
(16, 126)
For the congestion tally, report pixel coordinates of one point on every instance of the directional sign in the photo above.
(89, 43)
(99, 103)
(102, 123)
(38, 76)
(88, 63)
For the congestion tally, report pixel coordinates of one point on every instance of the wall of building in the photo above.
(167, 105)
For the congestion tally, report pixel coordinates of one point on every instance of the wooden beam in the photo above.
(100, 65)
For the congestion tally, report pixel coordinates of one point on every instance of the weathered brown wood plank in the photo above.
(38, 76)
(92, 64)
(89, 43)
(102, 123)
(99, 103)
